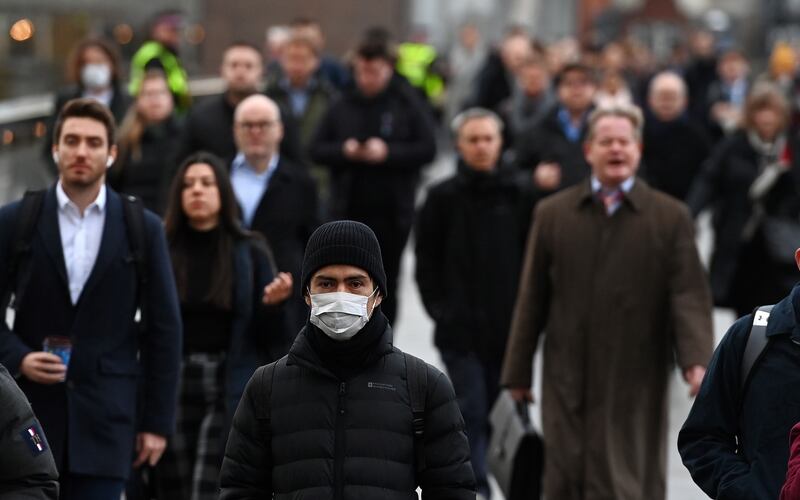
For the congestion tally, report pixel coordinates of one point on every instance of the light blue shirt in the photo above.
(572, 132)
(298, 97)
(626, 187)
(250, 185)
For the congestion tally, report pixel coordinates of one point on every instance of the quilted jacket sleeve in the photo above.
(448, 470)
(247, 466)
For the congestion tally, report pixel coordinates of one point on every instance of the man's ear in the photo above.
(797, 257)
(307, 298)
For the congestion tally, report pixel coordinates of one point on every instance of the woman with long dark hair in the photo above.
(228, 291)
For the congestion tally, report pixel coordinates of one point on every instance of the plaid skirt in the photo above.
(190, 466)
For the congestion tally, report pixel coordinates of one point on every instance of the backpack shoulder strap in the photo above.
(263, 397)
(417, 378)
(756, 344)
(24, 227)
(133, 210)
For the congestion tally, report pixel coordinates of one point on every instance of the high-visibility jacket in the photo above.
(414, 62)
(177, 80)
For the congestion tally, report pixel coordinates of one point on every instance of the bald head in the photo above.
(257, 129)
(258, 103)
(667, 96)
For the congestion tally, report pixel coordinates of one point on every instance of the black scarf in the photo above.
(347, 358)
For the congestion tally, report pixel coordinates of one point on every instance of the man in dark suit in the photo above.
(210, 122)
(81, 282)
(553, 148)
(375, 139)
(278, 198)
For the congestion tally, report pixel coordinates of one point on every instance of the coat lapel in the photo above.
(51, 234)
(276, 182)
(113, 237)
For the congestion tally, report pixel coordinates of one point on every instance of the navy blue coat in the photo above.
(258, 333)
(91, 420)
(755, 468)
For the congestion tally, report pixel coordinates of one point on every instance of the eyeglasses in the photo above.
(257, 126)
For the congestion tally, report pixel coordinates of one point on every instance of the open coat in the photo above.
(618, 298)
(91, 419)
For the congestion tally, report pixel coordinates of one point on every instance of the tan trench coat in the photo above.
(618, 299)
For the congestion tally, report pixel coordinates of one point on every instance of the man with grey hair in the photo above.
(613, 279)
(470, 237)
(277, 198)
(667, 167)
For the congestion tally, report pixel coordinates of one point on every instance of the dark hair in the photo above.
(75, 61)
(376, 44)
(162, 16)
(577, 67)
(231, 231)
(85, 107)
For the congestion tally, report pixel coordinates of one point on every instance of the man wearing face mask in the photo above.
(333, 418)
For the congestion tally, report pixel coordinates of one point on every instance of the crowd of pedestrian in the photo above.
(187, 243)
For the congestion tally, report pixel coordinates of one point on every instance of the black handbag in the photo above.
(516, 450)
(781, 238)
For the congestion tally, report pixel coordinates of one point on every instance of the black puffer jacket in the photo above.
(27, 469)
(353, 439)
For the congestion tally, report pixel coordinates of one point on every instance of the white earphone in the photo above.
(55, 157)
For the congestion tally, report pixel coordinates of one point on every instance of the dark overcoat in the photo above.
(618, 298)
(91, 419)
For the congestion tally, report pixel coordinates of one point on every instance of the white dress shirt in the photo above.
(249, 185)
(80, 237)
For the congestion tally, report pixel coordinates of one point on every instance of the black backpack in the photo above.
(417, 379)
(19, 265)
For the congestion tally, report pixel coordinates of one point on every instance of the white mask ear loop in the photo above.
(374, 304)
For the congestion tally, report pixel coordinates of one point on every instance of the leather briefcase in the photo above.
(516, 450)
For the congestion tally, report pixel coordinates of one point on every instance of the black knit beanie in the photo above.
(344, 242)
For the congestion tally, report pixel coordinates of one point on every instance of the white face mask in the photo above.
(96, 76)
(340, 315)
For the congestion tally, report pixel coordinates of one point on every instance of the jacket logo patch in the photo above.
(34, 437)
(378, 385)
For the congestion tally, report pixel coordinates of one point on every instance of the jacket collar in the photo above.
(113, 236)
(636, 198)
(785, 316)
(303, 354)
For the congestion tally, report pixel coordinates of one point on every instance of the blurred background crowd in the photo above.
(717, 80)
